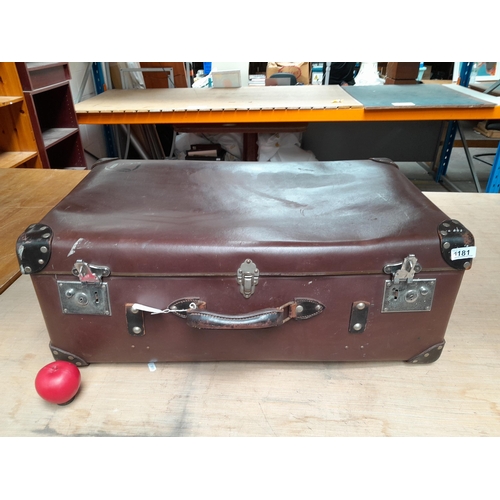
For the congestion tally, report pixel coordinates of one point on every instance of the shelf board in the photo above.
(12, 159)
(7, 100)
(55, 135)
(38, 66)
(37, 76)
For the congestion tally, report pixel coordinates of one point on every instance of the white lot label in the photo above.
(463, 253)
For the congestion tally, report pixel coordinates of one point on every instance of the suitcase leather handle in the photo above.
(265, 318)
(298, 309)
(193, 310)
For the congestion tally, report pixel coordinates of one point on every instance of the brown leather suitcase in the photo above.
(149, 261)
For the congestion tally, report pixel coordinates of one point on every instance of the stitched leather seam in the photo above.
(231, 318)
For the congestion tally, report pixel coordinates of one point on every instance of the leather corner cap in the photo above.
(303, 308)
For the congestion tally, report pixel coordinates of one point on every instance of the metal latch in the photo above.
(405, 270)
(247, 277)
(404, 293)
(89, 273)
(89, 295)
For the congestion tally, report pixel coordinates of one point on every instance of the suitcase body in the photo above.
(148, 261)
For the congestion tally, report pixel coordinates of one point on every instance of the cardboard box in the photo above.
(300, 70)
(402, 70)
(392, 81)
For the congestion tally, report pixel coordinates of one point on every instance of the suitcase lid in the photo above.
(158, 217)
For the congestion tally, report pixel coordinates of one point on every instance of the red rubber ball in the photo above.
(58, 382)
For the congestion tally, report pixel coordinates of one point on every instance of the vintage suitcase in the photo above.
(149, 261)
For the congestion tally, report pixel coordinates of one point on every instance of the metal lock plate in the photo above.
(405, 296)
(84, 298)
(404, 293)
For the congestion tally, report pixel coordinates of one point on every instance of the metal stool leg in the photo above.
(493, 185)
(470, 160)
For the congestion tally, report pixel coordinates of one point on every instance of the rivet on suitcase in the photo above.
(153, 260)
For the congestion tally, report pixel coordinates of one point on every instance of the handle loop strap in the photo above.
(197, 317)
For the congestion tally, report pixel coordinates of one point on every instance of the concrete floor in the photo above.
(458, 172)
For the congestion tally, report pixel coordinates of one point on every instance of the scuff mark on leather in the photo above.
(74, 248)
(288, 203)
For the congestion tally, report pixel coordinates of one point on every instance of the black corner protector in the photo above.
(457, 244)
(33, 248)
(135, 321)
(359, 316)
(306, 308)
(61, 355)
(429, 355)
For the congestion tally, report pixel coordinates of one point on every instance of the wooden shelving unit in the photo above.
(18, 147)
(48, 96)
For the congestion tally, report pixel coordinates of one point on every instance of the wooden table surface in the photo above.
(219, 99)
(280, 104)
(459, 395)
(26, 195)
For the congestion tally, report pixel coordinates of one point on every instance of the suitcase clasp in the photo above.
(404, 293)
(247, 277)
(89, 295)
(88, 273)
(404, 271)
